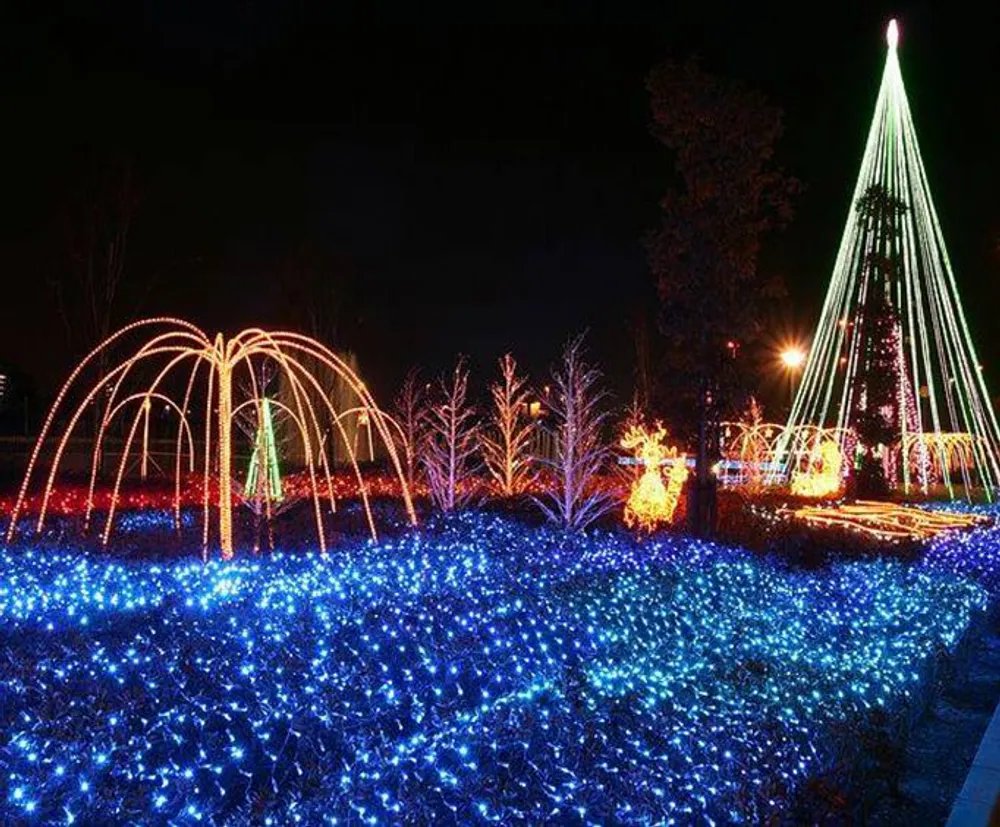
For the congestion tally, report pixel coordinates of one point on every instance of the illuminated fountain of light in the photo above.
(177, 343)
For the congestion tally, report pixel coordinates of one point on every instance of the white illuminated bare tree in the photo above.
(577, 498)
(410, 415)
(506, 447)
(450, 442)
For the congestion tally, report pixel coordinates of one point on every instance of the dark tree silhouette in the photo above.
(644, 373)
(727, 194)
(97, 232)
(87, 285)
(317, 288)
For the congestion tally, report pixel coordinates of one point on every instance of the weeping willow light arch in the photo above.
(172, 346)
(942, 392)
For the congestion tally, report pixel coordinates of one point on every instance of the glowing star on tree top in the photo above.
(892, 34)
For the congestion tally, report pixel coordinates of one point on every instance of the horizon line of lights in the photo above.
(938, 355)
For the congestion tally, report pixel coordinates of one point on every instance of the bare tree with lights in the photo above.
(450, 442)
(409, 407)
(507, 445)
(577, 499)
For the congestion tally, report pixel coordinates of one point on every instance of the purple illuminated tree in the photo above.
(577, 498)
(451, 442)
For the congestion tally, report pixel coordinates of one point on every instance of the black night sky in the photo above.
(466, 189)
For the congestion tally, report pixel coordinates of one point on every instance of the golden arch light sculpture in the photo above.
(750, 446)
(775, 453)
(175, 351)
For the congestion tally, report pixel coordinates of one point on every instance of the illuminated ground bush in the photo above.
(470, 673)
(975, 554)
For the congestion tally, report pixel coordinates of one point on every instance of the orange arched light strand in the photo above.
(149, 393)
(57, 406)
(182, 342)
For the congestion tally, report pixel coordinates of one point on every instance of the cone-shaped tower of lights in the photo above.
(264, 474)
(892, 360)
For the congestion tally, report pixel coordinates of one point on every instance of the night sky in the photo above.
(462, 189)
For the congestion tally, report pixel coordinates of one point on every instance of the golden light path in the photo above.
(885, 521)
(173, 344)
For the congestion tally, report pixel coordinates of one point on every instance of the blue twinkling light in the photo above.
(473, 671)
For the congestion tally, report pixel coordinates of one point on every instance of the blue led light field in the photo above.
(471, 672)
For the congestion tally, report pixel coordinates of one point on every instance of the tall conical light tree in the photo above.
(896, 267)
(264, 473)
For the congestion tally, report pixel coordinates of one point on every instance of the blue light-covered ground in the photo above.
(473, 672)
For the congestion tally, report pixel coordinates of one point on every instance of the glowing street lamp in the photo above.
(793, 358)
